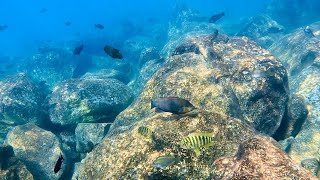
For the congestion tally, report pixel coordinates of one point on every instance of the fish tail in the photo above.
(153, 104)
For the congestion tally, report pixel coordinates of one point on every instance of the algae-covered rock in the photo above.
(88, 100)
(21, 100)
(89, 135)
(259, 158)
(38, 149)
(262, 29)
(129, 155)
(51, 65)
(312, 165)
(232, 76)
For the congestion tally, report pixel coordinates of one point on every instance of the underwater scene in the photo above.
(160, 89)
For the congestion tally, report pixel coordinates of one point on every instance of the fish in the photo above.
(3, 27)
(99, 26)
(8, 122)
(57, 167)
(174, 105)
(113, 52)
(308, 32)
(163, 162)
(67, 23)
(77, 50)
(216, 17)
(198, 140)
(145, 131)
(43, 10)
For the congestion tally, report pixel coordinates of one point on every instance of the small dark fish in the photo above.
(43, 10)
(3, 27)
(163, 162)
(308, 32)
(216, 17)
(174, 105)
(78, 50)
(57, 167)
(67, 23)
(113, 52)
(99, 26)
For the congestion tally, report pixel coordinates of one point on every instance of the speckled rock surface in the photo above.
(89, 135)
(50, 65)
(236, 78)
(17, 170)
(21, 99)
(88, 100)
(107, 74)
(259, 158)
(129, 155)
(38, 149)
(145, 73)
(262, 29)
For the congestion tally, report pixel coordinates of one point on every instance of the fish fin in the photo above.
(153, 104)
(197, 151)
(158, 110)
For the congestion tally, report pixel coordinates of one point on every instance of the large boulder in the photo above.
(129, 155)
(51, 65)
(10, 166)
(21, 99)
(88, 135)
(294, 13)
(88, 100)
(259, 158)
(231, 75)
(38, 149)
(262, 29)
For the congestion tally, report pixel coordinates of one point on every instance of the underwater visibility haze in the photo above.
(162, 89)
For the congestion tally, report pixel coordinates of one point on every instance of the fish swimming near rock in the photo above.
(216, 17)
(145, 132)
(77, 50)
(198, 140)
(113, 52)
(57, 167)
(174, 105)
(163, 162)
(308, 32)
(3, 27)
(99, 26)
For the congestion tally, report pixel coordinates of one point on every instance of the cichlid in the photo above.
(197, 141)
(174, 105)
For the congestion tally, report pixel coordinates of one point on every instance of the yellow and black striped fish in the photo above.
(145, 131)
(196, 141)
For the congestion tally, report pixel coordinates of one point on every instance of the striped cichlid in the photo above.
(145, 131)
(198, 140)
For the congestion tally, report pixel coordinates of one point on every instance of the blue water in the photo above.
(27, 26)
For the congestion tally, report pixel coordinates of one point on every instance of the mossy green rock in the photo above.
(228, 75)
(130, 156)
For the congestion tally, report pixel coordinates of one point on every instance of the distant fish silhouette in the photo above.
(113, 52)
(216, 17)
(67, 23)
(99, 26)
(78, 50)
(3, 27)
(308, 32)
(43, 10)
(57, 167)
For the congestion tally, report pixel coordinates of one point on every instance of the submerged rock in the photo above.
(263, 30)
(51, 65)
(259, 158)
(130, 155)
(107, 74)
(234, 77)
(38, 149)
(88, 135)
(88, 100)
